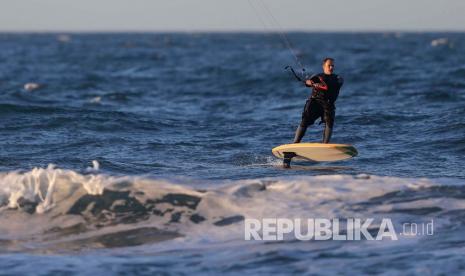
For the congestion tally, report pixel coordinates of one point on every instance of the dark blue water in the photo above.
(194, 117)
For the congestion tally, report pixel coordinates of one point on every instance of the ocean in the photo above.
(146, 153)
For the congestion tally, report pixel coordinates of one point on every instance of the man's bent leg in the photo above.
(309, 116)
(299, 133)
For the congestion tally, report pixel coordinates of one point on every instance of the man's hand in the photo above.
(309, 83)
(322, 86)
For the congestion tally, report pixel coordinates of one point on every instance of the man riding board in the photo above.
(325, 90)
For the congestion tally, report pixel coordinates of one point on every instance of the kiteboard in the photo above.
(315, 152)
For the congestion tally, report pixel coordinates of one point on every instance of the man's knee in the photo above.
(305, 122)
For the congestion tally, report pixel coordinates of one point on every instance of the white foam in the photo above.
(95, 166)
(31, 86)
(97, 99)
(327, 196)
(39, 185)
(441, 42)
(64, 38)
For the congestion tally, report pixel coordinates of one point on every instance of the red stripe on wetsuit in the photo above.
(321, 85)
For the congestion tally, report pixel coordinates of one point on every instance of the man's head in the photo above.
(328, 66)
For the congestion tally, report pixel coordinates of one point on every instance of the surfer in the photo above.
(325, 90)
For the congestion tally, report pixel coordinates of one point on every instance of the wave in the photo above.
(58, 209)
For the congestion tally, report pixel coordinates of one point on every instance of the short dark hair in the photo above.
(326, 59)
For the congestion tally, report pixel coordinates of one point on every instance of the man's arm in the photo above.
(321, 85)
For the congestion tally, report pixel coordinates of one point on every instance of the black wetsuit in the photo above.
(320, 104)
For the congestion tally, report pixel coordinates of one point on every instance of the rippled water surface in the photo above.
(180, 128)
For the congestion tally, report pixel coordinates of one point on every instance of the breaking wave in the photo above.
(52, 209)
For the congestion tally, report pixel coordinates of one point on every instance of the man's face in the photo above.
(328, 67)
